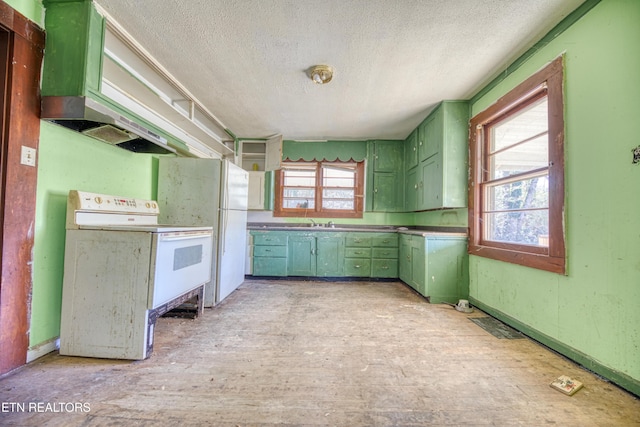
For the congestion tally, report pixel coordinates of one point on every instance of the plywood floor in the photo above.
(318, 353)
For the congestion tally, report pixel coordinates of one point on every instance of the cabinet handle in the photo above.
(267, 240)
(358, 253)
(421, 143)
(385, 241)
(267, 250)
(313, 251)
(414, 148)
(375, 190)
(357, 241)
(385, 267)
(356, 266)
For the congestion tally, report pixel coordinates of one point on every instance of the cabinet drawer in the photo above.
(384, 253)
(384, 268)
(269, 239)
(267, 266)
(358, 240)
(270, 251)
(385, 240)
(357, 267)
(358, 252)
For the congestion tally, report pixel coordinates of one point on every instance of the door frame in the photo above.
(20, 127)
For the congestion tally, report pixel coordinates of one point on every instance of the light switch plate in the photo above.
(28, 156)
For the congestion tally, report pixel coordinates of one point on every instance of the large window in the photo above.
(516, 188)
(320, 189)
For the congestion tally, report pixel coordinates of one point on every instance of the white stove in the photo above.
(122, 271)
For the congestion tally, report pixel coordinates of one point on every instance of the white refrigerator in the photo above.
(209, 192)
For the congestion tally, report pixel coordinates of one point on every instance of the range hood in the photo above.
(87, 116)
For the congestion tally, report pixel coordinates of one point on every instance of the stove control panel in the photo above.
(85, 208)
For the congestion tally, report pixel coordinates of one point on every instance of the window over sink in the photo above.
(320, 189)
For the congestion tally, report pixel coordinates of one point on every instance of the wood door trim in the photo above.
(21, 128)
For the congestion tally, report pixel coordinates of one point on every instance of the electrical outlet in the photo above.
(28, 156)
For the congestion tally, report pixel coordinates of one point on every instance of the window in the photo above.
(320, 189)
(516, 188)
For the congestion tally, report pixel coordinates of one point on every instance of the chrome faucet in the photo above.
(314, 224)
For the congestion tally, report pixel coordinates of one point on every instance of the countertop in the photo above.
(421, 231)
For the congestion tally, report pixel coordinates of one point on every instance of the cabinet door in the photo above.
(431, 132)
(405, 259)
(387, 156)
(301, 258)
(256, 191)
(411, 191)
(385, 193)
(418, 270)
(431, 183)
(411, 150)
(273, 153)
(330, 253)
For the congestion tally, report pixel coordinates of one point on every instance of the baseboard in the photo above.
(43, 349)
(622, 380)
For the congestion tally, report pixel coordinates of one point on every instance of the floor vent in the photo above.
(497, 328)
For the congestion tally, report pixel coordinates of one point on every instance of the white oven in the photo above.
(122, 271)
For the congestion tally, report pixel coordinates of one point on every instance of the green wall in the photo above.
(70, 161)
(592, 313)
(32, 9)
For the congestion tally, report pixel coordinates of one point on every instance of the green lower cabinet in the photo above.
(435, 266)
(269, 253)
(418, 279)
(302, 256)
(329, 256)
(384, 268)
(357, 267)
(265, 266)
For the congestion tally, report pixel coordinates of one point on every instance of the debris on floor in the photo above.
(566, 385)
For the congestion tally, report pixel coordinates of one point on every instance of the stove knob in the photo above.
(98, 200)
(153, 205)
(147, 205)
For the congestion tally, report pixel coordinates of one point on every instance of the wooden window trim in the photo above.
(553, 259)
(318, 211)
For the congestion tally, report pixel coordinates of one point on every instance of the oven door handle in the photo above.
(183, 236)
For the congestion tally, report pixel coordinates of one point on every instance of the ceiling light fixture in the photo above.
(321, 74)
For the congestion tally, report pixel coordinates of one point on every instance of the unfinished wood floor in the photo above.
(318, 353)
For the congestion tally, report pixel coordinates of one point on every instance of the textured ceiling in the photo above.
(246, 60)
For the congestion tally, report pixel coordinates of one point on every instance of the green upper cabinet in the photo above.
(430, 135)
(74, 48)
(387, 155)
(411, 190)
(385, 169)
(442, 144)
(411, 150)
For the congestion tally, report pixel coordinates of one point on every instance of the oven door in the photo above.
(181, 261)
